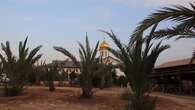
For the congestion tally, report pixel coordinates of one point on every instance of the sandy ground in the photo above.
(182, 102)
(66, 98)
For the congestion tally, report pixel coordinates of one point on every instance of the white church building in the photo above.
(68, 66)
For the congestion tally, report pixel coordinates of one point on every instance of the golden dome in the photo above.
(104, 45)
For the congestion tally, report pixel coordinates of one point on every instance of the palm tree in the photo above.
(183, 16)
(51, 73)
(138, 59)
(17, 68)
(87, 64)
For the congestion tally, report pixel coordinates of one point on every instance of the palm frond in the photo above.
(152, 57)
(6, 49)
(22, 49)
(114, 38)
(183, 30)
(94, 52)
(88, 49)
(82, 49)
(33, 52)
(148, 39)
(3, 60)
(175, 13)
(82, 57)
(118, 43)
(116, 53)
(35, 59)
(67, 53)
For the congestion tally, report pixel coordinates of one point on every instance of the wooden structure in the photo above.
(175, 77)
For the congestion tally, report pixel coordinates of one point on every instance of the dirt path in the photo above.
(183, 102)
(64, 98)
(67, 98)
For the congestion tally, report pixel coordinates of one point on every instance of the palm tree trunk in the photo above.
(87, 91)
(102, 82)
(51, 86)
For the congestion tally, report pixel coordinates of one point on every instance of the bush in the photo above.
(61, 84)
(13, 91)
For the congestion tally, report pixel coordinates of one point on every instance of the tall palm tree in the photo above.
(138, 59)
(17, 68)
(87, 65)
(183, 16)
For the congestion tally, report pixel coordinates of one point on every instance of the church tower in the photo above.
(104, 46)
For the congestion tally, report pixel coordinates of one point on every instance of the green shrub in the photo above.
(13, 90)
(61, 84)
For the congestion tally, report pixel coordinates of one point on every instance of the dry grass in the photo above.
(39, 98)
(66, 98)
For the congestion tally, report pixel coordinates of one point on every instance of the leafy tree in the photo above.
(16, 68)
(138, 59)
(87, 65)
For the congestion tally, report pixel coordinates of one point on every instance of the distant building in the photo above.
(175, 76)
(67, 66)
(107, 58)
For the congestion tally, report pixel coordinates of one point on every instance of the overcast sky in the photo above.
(64, 22)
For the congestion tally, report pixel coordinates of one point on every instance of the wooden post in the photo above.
(164, 85)
(180, 84)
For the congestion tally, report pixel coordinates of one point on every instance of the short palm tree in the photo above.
(87, 65)
(183, 16)
(51, 73)
(16, 68)
(138, 59)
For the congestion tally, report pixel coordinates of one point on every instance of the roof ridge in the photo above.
(173, 63)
